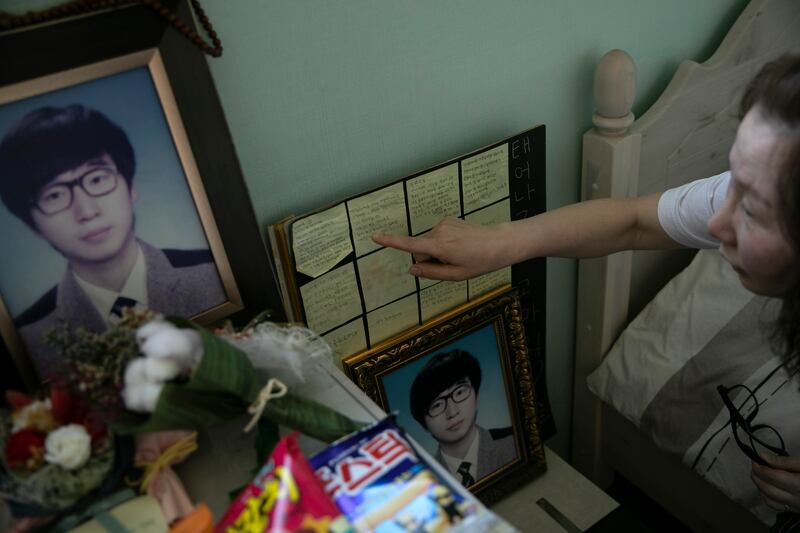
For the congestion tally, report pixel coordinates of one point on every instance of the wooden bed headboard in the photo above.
(684, 136)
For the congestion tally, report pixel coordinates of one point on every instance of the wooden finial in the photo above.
(614, 92)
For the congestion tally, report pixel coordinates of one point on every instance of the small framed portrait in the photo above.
(462, 388)
(104, 205)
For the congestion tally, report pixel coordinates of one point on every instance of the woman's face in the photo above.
(748, 224)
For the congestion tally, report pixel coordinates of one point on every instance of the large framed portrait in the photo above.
(462, 387)
(111, 197)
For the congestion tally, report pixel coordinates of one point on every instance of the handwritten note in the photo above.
(424, 283)
(381, 211)
(331, 299)
(384, 277)
(494, 214)
(346, 340)
(442, 297)
(321, 240)
(485, 178)
(485, 283)
(433, 196)
(392, 319)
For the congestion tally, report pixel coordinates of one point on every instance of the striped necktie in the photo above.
(466, 477)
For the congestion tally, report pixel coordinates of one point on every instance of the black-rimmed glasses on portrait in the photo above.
(457, 395)
(751, 438)
(58, 197)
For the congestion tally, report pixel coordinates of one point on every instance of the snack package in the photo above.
(382, 485)
(285, 496)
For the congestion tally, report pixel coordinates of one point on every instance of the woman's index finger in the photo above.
(415, 245)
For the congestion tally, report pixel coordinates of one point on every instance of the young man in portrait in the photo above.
(444, 400)
(67, 173)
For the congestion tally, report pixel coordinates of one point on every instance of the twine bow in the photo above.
(174, 454)
(272, 390)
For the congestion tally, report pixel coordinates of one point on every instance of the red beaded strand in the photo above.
(77, 7)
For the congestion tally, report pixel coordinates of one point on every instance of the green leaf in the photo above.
(224, 368)
(309, 417)
(182, 407)
(222, 387)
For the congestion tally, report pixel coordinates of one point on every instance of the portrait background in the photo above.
(129, 99)
(493, 411)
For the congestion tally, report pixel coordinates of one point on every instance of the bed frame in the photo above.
(685, 135)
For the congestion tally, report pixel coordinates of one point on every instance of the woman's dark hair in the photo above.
(775, 94)
(439, 373)
(51, 140)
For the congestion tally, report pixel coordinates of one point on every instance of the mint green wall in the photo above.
(327, 98)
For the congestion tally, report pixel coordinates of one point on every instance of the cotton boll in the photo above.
(151, 328)
(160, 370)
(142, 397)
(132, 397)
(149, 396)
(135, 372)
(183, 346)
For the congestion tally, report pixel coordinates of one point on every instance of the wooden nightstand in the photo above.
(559, 500)
(226, 459)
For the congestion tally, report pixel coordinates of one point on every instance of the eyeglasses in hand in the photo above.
(751, 438)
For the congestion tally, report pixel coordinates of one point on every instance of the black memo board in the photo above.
(526, 175)
(35, 51)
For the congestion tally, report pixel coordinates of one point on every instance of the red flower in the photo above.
(17, 399)
(70, 409)
(24, 445)
(61, 404)
(94, 425)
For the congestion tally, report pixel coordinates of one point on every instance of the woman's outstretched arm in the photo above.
(456, 250)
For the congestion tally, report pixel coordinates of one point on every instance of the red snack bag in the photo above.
(285, 496)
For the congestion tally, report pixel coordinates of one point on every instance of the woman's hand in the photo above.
(779, 483)
(454, 249)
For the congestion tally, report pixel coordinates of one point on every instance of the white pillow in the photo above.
(701, 330)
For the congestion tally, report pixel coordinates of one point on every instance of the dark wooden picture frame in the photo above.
(491, 332)
(106, 36)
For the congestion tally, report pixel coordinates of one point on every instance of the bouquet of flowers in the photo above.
(153, 373)
(56, 451)
(147, 375)
(189, 378)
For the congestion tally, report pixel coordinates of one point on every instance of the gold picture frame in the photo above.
(488, 333)
(189, 199)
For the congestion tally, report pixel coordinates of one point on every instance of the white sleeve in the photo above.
(684, 211)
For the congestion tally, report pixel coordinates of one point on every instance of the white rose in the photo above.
(68, 446)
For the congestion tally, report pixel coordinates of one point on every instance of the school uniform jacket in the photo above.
(496, 448)
(179, 282)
